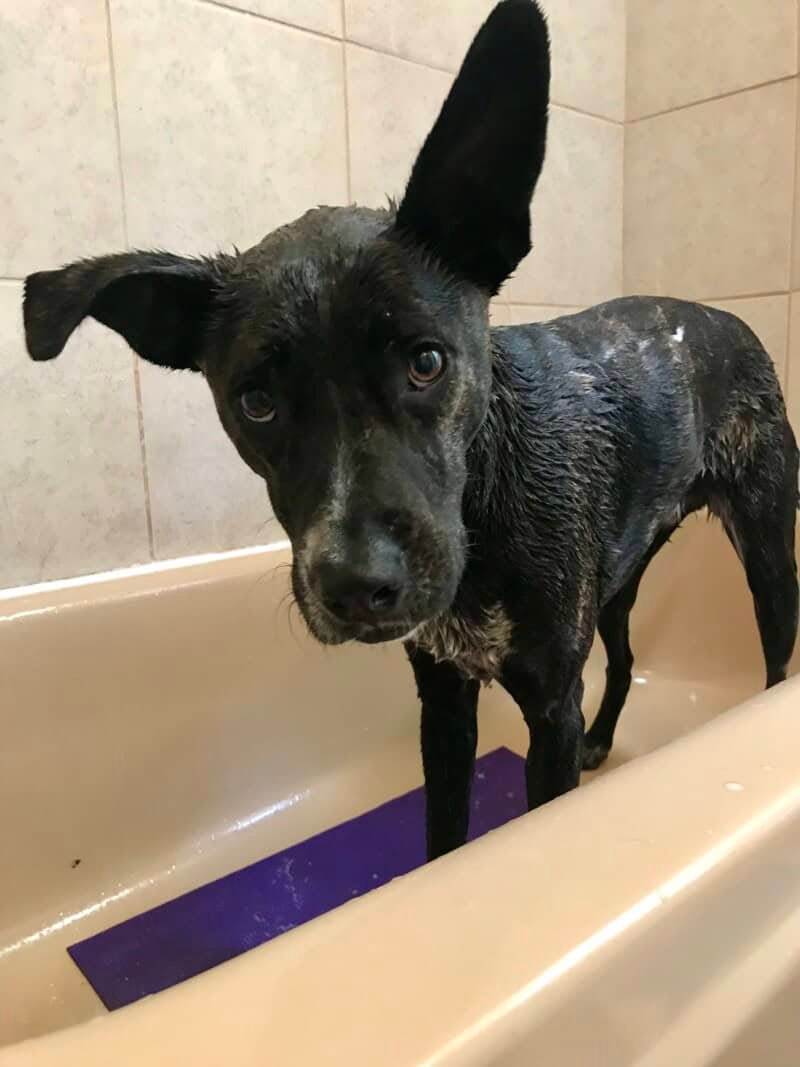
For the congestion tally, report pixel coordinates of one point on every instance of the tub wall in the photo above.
(193, 125)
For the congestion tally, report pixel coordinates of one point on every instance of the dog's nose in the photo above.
(367, 594)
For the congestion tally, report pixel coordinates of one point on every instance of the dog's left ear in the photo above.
(468, 198)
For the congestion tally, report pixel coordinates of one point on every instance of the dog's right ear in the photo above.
(468, 198)
(159, 303)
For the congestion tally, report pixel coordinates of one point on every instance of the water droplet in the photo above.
(734, 787)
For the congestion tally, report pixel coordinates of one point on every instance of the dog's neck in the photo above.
(522, 484)
(492, 448)
(475, 632)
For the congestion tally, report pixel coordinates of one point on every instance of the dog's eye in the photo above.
(425, 366)
(257, 405)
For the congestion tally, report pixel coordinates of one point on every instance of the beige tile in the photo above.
(522, 314)
(708, 193)
(59, 181)
(392, 105)
(499, 314)
(577, 217)
(793, 367)
(767, 317)
(323, 16)
(588, 55)
(230, 125)
(437, 34)
(71, 485)
(588, 41)
(203, 497)
(689, 50)
(795, 283)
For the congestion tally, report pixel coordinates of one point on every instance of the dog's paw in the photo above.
(593, 755)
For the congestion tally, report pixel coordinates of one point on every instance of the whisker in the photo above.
(293, 604)
(272, 573)
(267, 522)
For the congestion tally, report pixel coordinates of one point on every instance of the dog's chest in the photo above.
(478, 647)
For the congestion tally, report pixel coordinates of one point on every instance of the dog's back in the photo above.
(687, 397)
(671, 358)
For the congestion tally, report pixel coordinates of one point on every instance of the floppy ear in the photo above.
(468, 198)
(158, 302)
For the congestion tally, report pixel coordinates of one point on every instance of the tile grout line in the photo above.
(286, 24)
(137, 385)
(738, 296)
(623, 215)
(787, 359)
(625, 132)
(536, 304)
(711, 99)
(692, 299)
(137, 382)
(117, 131)
(588, 114)
(346, 88)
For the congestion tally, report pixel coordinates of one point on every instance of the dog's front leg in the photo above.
(449, 737)
(550, 701)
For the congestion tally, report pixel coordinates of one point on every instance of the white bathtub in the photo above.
(173, 724)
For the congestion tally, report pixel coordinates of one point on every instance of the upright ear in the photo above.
(159, 303)
(468, 198)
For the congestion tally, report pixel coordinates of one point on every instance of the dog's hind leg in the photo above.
(760, 522)
(613, 627)
(550, 701)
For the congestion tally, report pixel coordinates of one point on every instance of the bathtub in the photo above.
(165, 726)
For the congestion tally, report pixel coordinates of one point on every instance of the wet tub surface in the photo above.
(164, 729)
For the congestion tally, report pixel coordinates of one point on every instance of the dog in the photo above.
(491, 497)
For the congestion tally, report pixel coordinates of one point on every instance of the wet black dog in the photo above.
(490, 497)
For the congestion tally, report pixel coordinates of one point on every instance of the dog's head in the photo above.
(348, 353)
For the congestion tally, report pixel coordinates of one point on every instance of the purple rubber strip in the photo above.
(218, 921)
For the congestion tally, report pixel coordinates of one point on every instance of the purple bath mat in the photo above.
(218, 921)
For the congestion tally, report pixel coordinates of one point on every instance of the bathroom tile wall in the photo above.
(710, 163)
(196, 125)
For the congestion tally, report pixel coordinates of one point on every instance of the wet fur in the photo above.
(525, 496)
